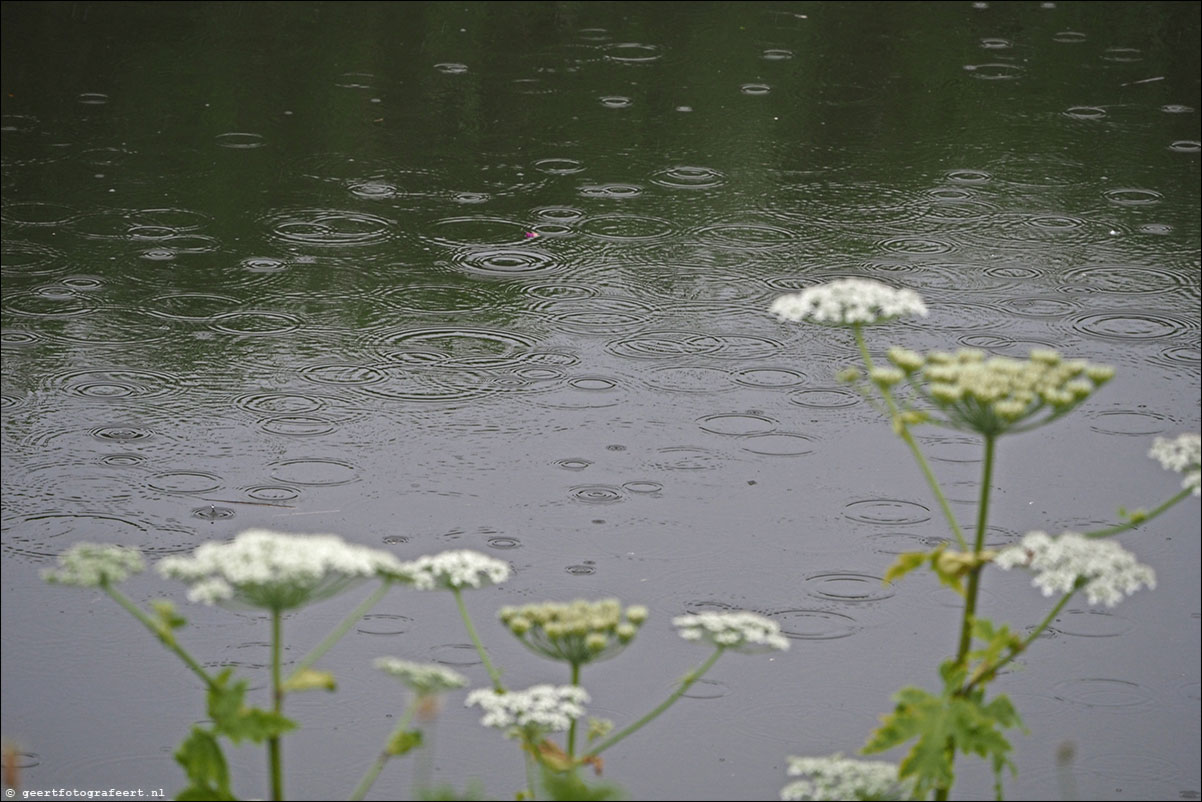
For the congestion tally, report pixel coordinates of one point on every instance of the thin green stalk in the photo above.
(531, 775)
(340, 630)
(685, 684)
(369, 778)
(986, 673)
(274, 760)
(974, 574)
(903, 431)
(1139, 518)
(165, 637)
(471, 631)
(572, 728)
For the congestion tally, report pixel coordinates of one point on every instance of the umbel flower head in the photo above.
(837, 777)
(999, 394)
(533, 712)
(1105, 570)
(848, 302)
(1183, 454)
(578, 632)
(452, 570)
(737, 631)
(91, 565)
(276, 571)
(424, 679)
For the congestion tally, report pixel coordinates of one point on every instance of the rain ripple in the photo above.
(328, 227)
(689, 177)
(812, 624)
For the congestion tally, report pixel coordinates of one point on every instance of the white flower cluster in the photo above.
(1183, 455)
(456, 569)
(837, 777)
(848, 301)
(90, 565)
(740, 631)
(536, 710)
(424, 679)
(276, 571)
(1109, 571)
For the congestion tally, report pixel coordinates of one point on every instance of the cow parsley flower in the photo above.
(92, 565)
(578, 632)
(1106, 571)
(276, 571)
(533, 712)
(1182, 455)
(452, 570)
(837, 777)
(739, 631)
(424, 679)
(848, 301)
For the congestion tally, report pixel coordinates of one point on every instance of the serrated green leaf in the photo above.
(205, 767)
(904, 564)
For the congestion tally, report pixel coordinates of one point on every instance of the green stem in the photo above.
(903, 431)
(572, 728)
(685, 684)
(531, 775)
(1141, 518)
(340, 630)
(161, 632)
(471, 631)
(974, 574)
(986, 673)
(373, 772)
(277, 705)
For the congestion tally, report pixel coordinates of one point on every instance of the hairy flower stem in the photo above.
(340, 630)
(986, 673)
(369, 778)
(903, 431)
(274, 758)
(1141, 517)
(685, 684)
(159, 631)
(493, 674)
(572, 728)
(974, 573)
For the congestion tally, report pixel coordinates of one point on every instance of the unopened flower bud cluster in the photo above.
(577, 632)
(424, 679)
(991, 395)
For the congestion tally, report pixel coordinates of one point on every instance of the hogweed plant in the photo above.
(989, 397)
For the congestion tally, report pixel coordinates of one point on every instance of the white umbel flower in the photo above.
(837, 777)
(456, 569)
(1109, 571)
(276, 571)
(738, 631)
(424, 679)
(1183, 455)
(534, 711)
(91, 565)
(848, 301)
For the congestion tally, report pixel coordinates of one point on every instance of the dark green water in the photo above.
(270, 264)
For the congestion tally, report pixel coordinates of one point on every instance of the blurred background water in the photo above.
(271, 264)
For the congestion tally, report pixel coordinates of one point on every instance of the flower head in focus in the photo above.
(453, 570)
(91, 565)
(738, 631)
(531, 713)
(275, 571)
(837, 777)
(1104, 569)
(1183, 455)
(578, 632)
(848, 302)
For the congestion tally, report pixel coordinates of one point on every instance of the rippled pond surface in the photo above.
(273, 265)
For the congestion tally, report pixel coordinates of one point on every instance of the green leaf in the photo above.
(205, 767)
(568, 785)
(403, 742)
(235, 720)
(309, 679)
(904, 564)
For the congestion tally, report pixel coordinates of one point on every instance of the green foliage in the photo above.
(205, 767)
(567, 785)
(953, 720)
(310, 679)
(403, 742)
(233, 719)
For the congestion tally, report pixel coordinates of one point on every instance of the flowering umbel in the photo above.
(90, 565)
(837, 777)
(848, 302)
(738, 631)
(276, 571)
(1183, 454)
(424, 679)
(453, 570)
(533, 712)
(1104, 569)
